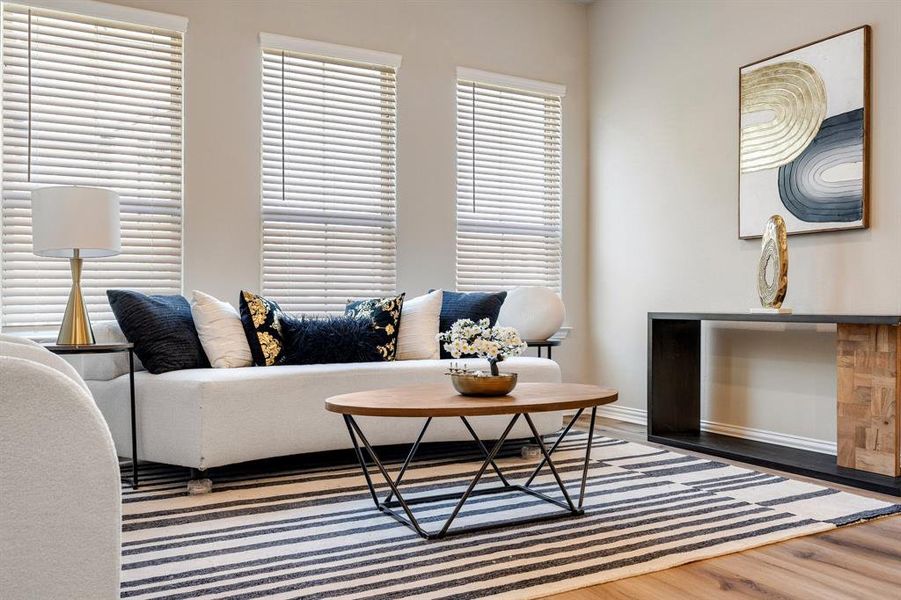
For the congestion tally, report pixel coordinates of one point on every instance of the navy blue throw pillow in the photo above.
(345, 339)
(468, 305)
(161, 328)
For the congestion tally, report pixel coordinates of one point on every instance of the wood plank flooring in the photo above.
(856, 562)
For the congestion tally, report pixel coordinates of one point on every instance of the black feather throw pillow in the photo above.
(312, 341)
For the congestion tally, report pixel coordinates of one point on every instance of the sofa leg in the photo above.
(199, 484)
(530, 452)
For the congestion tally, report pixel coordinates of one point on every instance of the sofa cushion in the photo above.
(469, 305)
(420, 319)
(205, 418)
(161, 328)
(261, 319)
(385, 314)
(329, 340)
(221, 332)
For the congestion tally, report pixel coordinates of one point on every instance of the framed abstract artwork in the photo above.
(803, 150)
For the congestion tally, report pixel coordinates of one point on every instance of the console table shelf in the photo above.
(779, 318)
(783, 458)
(868, 365)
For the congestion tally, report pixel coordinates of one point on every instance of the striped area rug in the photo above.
(313, 533)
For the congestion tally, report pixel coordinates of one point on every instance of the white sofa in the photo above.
(56, 458)
(203, 418)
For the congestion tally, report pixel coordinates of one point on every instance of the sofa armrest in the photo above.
(104, 367)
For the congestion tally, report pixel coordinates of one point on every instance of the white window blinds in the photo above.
(95, 103)
(328, 200)
(508, 182)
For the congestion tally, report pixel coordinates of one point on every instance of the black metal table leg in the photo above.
(475, 480)
(406, 464)
(410, 521)
(347, 421)
(549, 357)
(554, 447)
(134, 427)
(549, 462)
(594, 412)
(395, 500)
(484, 450)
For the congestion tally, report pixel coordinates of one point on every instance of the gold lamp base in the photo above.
(76, 327)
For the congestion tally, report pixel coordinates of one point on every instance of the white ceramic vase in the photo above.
(535, 312)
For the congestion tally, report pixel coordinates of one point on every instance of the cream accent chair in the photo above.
(18, 347)
(60, 509)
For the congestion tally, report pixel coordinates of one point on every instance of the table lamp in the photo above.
(75, 223)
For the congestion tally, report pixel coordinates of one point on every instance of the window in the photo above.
(90, 102)
(508, 182)
(328, 200)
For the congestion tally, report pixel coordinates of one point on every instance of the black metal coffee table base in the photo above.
(396, 506)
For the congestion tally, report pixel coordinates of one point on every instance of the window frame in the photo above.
(511, 85)
(329, 299)
(101, 274)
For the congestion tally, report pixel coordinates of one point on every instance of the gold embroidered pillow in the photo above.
(385, 316)
(261, 319)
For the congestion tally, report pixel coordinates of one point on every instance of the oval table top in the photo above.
(440, 400)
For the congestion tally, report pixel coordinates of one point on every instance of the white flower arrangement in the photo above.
(481, 339)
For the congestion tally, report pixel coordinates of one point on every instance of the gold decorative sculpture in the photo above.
(772, 270)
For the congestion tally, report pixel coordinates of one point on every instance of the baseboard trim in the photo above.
(640, 417)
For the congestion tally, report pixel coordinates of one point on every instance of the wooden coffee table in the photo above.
(440, 400)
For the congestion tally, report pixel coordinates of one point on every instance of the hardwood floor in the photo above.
(856, 562)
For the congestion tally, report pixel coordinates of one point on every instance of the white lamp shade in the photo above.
(69, 218)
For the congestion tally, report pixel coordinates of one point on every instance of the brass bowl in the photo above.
(491, 385)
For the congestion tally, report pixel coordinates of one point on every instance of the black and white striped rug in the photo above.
(313, 533)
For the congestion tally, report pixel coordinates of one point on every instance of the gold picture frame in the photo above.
(802, 112)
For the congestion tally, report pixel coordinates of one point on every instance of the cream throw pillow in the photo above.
(419, 320)
(220, 331)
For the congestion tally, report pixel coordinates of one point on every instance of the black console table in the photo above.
(868, 350)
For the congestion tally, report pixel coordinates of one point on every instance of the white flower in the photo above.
(466, 336)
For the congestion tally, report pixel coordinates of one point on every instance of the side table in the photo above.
(110, 349)
(543, 344)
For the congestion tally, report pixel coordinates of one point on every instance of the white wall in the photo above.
(544, 40)
(663, 203)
